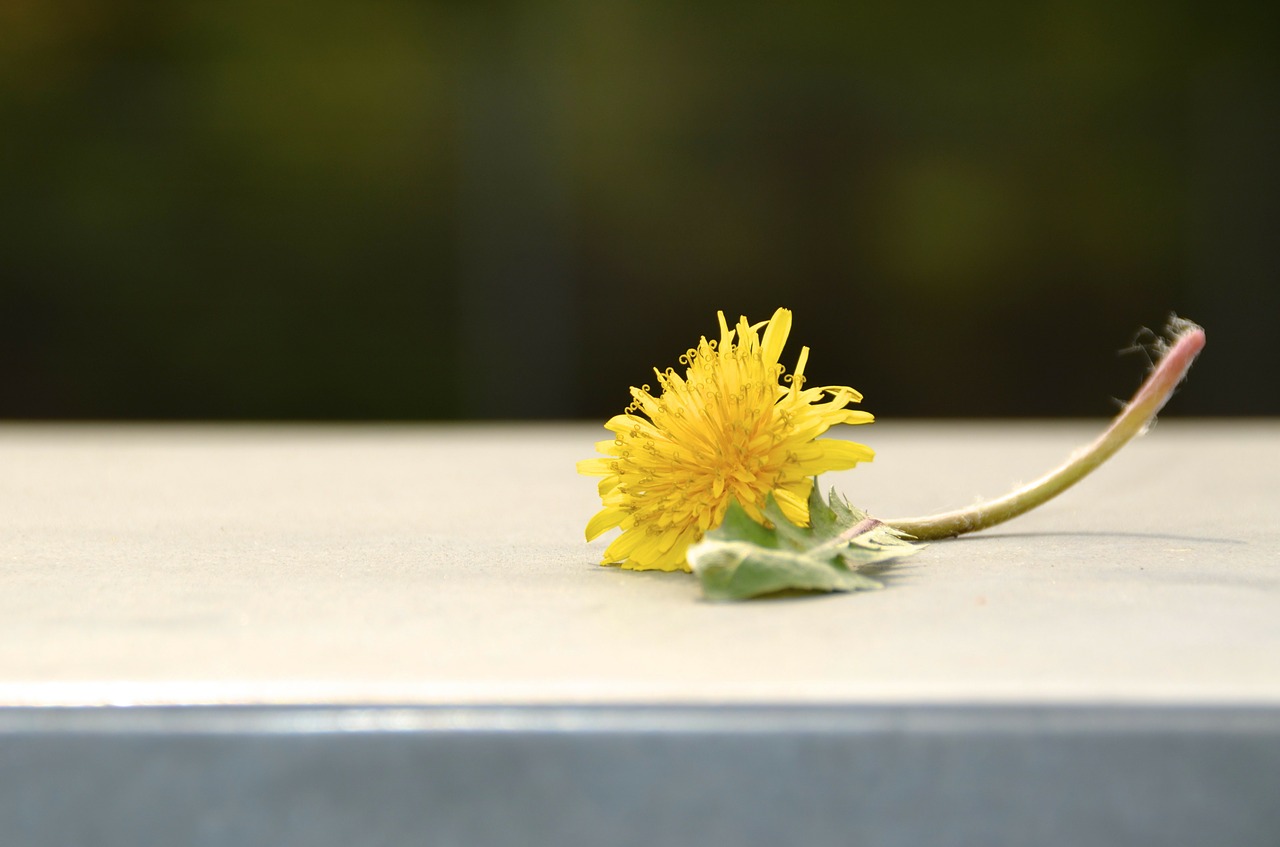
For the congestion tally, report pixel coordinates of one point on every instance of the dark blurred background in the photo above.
(391, 210)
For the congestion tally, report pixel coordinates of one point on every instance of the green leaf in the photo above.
(742, 558)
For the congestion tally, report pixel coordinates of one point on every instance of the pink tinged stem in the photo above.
(1186, 342)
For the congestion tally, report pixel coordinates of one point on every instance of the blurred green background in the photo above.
(394, 210)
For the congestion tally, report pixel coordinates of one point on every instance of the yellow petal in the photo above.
(603, 521)
(852, 416)
(623, 546)
(795, 503)
(775, 336)
(596, 467)
(839, 455)
(797, 376)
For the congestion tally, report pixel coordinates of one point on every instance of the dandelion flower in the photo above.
(733, 427)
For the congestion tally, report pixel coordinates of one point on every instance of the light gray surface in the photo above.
(445, 565)
(381, 635)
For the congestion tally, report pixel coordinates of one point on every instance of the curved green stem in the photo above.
(1186, 340)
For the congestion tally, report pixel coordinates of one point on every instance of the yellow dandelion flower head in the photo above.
(732, 427)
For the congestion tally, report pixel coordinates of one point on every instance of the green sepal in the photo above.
(742, 558)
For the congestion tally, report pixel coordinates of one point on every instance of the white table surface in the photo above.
(445, 565)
